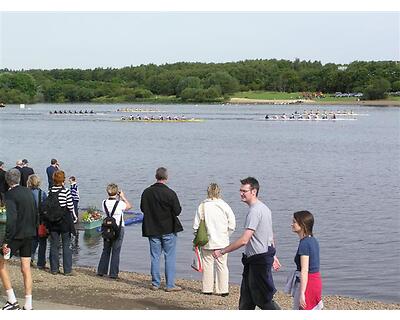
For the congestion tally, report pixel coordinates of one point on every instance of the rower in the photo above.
(267, 117)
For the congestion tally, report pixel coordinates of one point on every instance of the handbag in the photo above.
(42, 231)
(201, 237)
(197, 262)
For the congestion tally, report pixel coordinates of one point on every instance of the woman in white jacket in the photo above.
(220, 224)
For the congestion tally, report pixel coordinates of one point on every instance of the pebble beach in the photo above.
(132, 291)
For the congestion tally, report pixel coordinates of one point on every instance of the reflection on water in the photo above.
(92, 238)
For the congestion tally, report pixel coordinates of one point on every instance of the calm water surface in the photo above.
(346, 173)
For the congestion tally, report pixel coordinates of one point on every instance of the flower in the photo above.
(92, 214)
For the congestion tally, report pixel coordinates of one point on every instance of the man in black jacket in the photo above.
(22, 219)
(3, 184)
(25, 172)
(161, 208)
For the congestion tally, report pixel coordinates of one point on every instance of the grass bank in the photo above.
(270, 97)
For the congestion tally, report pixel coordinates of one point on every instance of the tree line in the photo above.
(197, 82)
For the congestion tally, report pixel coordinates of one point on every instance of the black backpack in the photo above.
(41, 203)
(109, 228)
(52, 211)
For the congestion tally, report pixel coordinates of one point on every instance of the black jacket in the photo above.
(3, 183)
(161, 208)
(25, 173)
(22, 216)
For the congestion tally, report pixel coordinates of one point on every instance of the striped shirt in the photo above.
(65, 199)
(74, 191)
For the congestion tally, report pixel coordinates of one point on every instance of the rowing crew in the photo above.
(152, 118)
(135, 110)
(72, 112)
(338, 112)
(296, 116)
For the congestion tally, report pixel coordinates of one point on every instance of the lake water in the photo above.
(345, 172)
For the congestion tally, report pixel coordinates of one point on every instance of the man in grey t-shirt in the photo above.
(258, 219)
(257, 288)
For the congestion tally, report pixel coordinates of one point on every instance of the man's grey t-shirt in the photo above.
(259, 219)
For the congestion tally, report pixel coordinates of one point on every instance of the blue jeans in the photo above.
(112, 248)
(76, 208)
(42, 243)
(55, 251)
(167, 244)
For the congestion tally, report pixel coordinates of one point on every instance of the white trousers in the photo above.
(221, 273)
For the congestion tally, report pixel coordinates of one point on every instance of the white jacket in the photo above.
(220, 222)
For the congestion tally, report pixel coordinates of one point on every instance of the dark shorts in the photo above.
(21, 246)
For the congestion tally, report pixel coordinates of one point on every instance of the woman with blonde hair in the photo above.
(114, 205)
(220, 224)
(40, 196)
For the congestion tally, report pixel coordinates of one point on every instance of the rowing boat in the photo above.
(337, 119)
(159, 120)
(137, 110)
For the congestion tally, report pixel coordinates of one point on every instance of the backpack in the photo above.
(109, 228)
(51, 208)
(40, 206)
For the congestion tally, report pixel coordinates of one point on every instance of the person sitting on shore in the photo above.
(115, 205)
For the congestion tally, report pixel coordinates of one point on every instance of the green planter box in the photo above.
(93, 224)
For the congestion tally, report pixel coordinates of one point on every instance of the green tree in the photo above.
(224, 80)
(396, 86)
(188, 82)
(18, 83)
(377, 89)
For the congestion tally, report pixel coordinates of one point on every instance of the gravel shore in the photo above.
(132, 292)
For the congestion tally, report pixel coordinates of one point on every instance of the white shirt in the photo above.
(220, 222)
(119, 211)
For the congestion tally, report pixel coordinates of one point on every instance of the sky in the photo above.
(86, 40)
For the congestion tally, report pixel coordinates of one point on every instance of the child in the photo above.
(74, 193)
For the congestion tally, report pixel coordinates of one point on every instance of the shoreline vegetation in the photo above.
(132, 292)
(195, 82)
